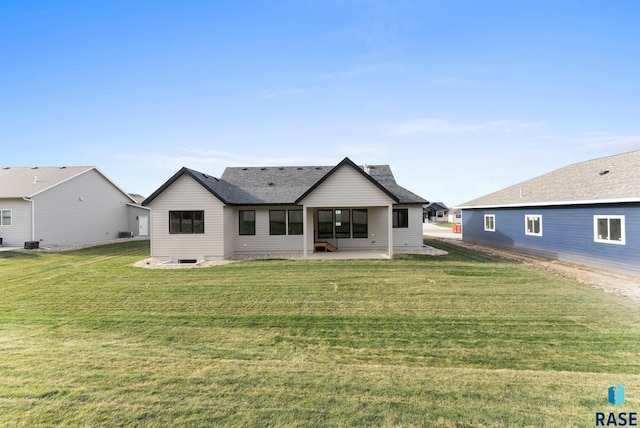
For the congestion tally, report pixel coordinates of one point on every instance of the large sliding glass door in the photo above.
(342, 223)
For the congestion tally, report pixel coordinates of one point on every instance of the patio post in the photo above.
(304, 231)
(390, 229)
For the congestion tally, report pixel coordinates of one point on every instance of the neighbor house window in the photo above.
(5, 217)
(609, 229)
(295, 222)
(325, 224)
(186, 222)
(247, 222)
(490, 222)
(533, 225)
(401, 218)
(360, 222)
(277, 222)
(343, 224)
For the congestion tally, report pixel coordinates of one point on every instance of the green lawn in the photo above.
(461, 340)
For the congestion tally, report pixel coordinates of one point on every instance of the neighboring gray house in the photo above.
(65, 206)
(436, 212)
(587, 212)
(263, 210)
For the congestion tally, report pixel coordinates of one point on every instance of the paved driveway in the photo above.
(431, 230)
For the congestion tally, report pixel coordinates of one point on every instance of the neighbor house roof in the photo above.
(608, 179)
(25, 182)
(285, 185)
(437, 206)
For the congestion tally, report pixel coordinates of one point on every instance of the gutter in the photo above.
(553, 203)
(33, 214)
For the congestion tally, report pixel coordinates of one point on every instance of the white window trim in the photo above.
(526, 224)
(10, 217)
(608, 241)
(485, 223)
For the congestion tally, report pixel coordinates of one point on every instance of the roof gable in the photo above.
(211, 183)
(437, 206)
(18, 182)
(347, 162)
(608, 179)
(25, 182)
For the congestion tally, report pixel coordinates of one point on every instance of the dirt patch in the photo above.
(625, 285)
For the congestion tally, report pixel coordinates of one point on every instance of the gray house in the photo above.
(436, 212)
(262, 210)
(65, 206)
(587, 212)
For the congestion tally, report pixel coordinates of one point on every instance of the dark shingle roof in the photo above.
(437, 206)
(608, 179)
(285, 185)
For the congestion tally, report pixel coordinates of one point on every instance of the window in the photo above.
(5, 217)
(609, 229)
(533, 225)
(186, 222)
(247, 222)
(490, 222)
(325, 224)
(295, 222)
(343, 224)
(277, 222)
(400, 218)
(360, 222)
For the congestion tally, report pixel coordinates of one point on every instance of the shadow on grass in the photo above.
(18, 255)
(114, 249)
(461, 254)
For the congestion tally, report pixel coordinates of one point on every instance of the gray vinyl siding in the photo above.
(133, 214)
(183, 195)
(410, 237)
(347, 188)
(262, 242)
(20, 229)
(85, 209)
(567, 233)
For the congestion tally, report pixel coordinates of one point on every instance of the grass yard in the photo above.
(461, 340)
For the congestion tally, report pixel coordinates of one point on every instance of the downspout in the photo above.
(33, 219)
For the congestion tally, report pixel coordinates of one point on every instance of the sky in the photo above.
(461, 98)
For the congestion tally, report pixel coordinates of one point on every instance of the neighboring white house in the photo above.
(261, 210)
(455, 216)
(65, 206)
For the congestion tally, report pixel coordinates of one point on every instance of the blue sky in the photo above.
(461, 98)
